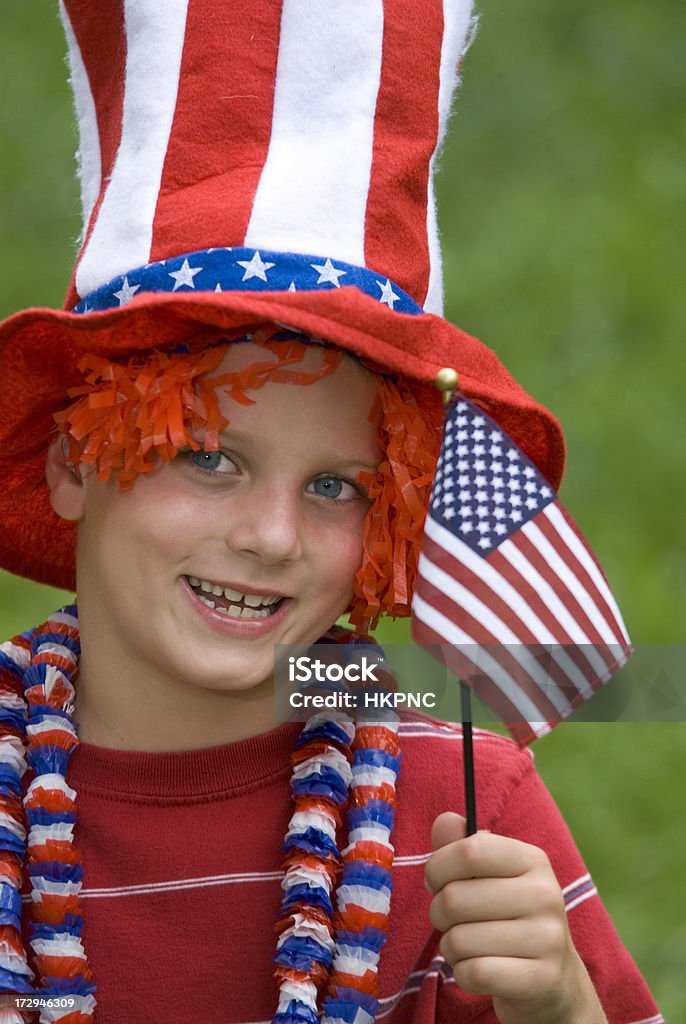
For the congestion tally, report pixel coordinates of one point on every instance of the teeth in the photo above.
(252, 600)
(234, 611)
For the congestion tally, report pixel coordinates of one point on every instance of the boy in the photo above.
(197, 551)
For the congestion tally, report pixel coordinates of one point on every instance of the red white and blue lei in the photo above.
(337, 768)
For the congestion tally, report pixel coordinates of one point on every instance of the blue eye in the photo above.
(212, 462)
(333, 487)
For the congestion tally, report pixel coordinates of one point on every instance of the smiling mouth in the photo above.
(232, 603)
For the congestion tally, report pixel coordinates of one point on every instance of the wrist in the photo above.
(585, 1007)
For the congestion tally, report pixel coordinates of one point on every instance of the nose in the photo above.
(267, 524)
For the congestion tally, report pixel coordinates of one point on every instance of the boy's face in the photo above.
(275, 514)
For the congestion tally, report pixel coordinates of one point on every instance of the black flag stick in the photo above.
(446, 382)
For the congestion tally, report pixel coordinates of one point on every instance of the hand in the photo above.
(501, 910)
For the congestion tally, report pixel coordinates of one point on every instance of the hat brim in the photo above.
(40, 350)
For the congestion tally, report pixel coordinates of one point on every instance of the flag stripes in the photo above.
(507, 584)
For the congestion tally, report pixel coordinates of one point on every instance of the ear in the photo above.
(67, 493)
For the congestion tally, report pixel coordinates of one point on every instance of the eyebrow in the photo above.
(337, 460)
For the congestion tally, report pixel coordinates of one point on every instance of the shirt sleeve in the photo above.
(531, 815)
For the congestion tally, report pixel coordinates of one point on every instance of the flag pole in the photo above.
(447, 381)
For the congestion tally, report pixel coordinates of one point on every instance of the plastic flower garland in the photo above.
(334, 764)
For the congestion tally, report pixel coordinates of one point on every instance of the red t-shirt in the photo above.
(181, 855)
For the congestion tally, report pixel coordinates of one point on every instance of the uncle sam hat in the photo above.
(243, 164)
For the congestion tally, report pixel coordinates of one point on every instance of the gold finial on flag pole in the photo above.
(447, 381)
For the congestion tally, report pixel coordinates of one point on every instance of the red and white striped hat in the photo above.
(295, 127)
(242, 164)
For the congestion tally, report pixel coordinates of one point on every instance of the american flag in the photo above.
(508, 585)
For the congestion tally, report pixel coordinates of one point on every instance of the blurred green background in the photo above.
(562, 201)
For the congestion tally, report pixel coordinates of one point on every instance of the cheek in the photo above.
(340, 555)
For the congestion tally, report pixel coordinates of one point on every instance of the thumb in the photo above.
(448, 828)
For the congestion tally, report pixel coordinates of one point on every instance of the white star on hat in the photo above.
(387, 294)
(328, 273)
(256, 267)
(126, 292)
(185, 275)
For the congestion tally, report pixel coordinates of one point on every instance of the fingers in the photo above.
(509, 978)
(492, 899)
(448, 827)
(483, 855)
(504, 939)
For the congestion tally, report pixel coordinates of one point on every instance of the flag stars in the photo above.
(449, 513)
(328, 273)
(478, 435)
(529, 471)
(485, 543)
(482, 511)
(483, 527)
(515, 516)
(125, 293)
(256, 267)
(467, 526)
(546, 492)
(530, 487)
(500, 529)
(531, 503)
(513, 470)
(184, 276)
(479, 449)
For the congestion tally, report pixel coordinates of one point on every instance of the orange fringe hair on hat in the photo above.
(130, 416)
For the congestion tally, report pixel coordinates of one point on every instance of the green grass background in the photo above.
(562, 200)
